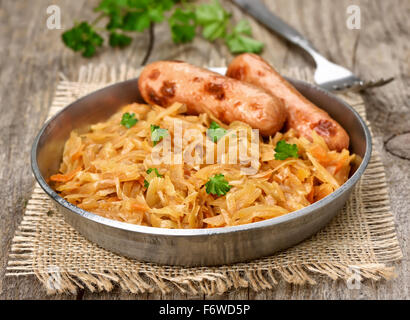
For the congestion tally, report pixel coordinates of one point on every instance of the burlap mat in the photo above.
(360, 242)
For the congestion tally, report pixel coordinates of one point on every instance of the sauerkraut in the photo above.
(104, 171)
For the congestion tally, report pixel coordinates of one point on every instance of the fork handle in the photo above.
(261, 13)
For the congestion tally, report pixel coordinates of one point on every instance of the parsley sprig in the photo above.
(82, 37)
(126, 16)
(218, 185)
(284, 150)
(128, 120)
(215, 131)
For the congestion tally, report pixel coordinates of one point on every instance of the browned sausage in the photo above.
(166, 82)
(303, 115)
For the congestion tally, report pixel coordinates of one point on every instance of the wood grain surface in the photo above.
(31, 57)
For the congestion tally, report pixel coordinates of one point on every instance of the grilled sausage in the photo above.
(166, 82)
(302, 115)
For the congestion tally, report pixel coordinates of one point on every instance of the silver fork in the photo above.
(328, 75)
(331, 76)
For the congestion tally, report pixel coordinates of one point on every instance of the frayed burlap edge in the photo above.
(210, 284)
(213, 280)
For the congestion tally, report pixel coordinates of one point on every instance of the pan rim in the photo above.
(124, 226)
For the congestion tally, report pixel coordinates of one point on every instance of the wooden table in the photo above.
(32, 57)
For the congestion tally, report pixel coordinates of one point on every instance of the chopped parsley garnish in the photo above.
(156, 172)
(285, 150)
(215, 131)
(146, 183)
(128, 120)
(217, 185)
(157, 133)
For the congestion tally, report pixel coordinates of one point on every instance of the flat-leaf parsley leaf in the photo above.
(82, 37)
(119, 40)
(218, 185)
(284, 150)
(183, 25)
(214, 20)
(239, 40)
(157, 134)
(215, 131)
(128, 120)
